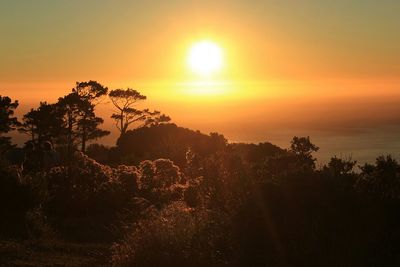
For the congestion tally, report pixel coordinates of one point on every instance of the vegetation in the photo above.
(124, 101)
(170, 196)
(7, 121)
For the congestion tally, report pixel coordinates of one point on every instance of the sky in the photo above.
(330, 69)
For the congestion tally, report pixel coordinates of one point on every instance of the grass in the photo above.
(52, 254)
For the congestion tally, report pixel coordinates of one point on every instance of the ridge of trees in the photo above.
(71, 122)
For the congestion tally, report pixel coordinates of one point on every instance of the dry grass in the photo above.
(52, 253)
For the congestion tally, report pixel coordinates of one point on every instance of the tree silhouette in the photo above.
(7, 121)
(90, 94)
(381, 179)
(91, 91)
(70, 110)
(43, 123)
(303, 148)
(124, 101)
(88, 126)
(338, 166)
(80, 123)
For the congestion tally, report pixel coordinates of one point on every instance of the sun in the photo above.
(205, 58)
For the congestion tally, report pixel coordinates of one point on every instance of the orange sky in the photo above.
(64, 41)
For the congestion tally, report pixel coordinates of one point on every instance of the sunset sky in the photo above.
(289, 67)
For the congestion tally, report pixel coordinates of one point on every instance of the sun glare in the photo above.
(205, 58)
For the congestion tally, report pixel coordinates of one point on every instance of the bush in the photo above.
(160, 181)
(176, 236)
(16, 199)
(381, 180)
(85, 198)
(88, 200)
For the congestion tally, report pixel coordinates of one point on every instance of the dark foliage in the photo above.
(16, 199)
(127, 114)
(7, 121)
(255, 153)
(190, 199)
(99, 153)
(43, 124)
(79, 122)
(166, 141)
(84, 199)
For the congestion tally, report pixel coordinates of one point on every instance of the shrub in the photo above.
(85, 198)
(15, 200)
(160, 181)
(381, 180)
(176, 236)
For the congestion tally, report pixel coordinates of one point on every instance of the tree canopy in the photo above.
(126, 100)
(7, 121)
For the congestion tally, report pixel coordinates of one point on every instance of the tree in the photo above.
(381, 179)
(43, 123)
(7, 121)
(88, 127)
(69, 106)
(303, 148)
(340, 173)
(338, 166)
(79, 119)
(91, 91)
(90, 94)
(124, 101)
(218, 141)
(80, 123)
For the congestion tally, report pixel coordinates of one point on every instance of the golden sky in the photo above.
(132, 41)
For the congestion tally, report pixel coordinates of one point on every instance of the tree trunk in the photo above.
(122, 122)
(32, 136)
(83, 148)
(69, 137)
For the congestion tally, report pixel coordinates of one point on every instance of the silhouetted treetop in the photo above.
(125, 97)
(79, 121)
(302, 146)
(338, 166)
(43, 123)
(7, 121)
(90, 90)
(125, 101)
(381, 179)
